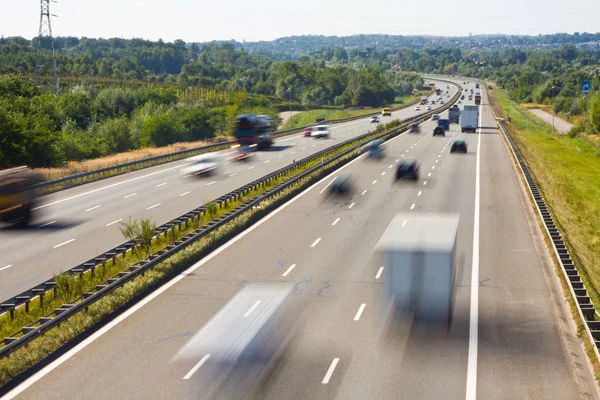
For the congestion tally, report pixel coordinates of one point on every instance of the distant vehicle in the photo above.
(447, 86)
(253, 130)
(438, 91)
(408, 169)
(320, 131)
(444, 123)
(435, 117)
(438, 130)
(432, 102)
(243, 339)
(374, 118)
(459, 102)
(417, 108)
(18, 194)
(441, 101)
(202, 165)
(243, 154)
(458, 146)
(415, 128)
(428, 108)
(374, 149)
(308, 130)
(466, 90)
(342, 185)
(477, 86)
(462, 97)
(477, 99)
(319, 120)
(419, 250)
(386, 112)
(454, 114)
(469, 119)
(425, 100)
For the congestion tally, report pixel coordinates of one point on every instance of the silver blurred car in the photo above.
(202, 165)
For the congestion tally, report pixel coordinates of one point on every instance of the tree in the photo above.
(595, 112)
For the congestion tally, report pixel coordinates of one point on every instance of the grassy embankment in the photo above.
(566, 171)
(309, 117)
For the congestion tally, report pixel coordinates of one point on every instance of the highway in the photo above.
(511, 338)
(83, 222)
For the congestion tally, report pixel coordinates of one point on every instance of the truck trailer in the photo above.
(419, 251)
(469, 119)
(454, 114)
(253, 130)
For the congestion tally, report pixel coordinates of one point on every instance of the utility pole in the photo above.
(552, 110)
(291, 126)
(45, 36)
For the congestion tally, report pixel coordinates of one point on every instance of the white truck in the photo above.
(469, 119)
(240, 342)
(419, 251)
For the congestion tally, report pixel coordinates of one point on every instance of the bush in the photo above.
(595, 112)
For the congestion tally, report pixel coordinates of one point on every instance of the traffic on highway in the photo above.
(413, 271)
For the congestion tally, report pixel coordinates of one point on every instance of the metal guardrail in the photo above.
(585, 308)
(29, 333)
(70, 181)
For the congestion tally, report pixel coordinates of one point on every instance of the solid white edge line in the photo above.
(327, 377)
(360, 311)
(252, 308)
(7, 267)
(127, 313)
(471, 393)
(328, 185)
(315, 242)
(289, 270)
(62, 244)
(379, 272)
(196, 367)
(114, 222)
(335, 222)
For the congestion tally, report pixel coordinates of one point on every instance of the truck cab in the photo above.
(18, 193)
(386, 112)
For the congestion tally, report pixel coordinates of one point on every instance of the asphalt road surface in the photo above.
(83, 222)
(511, 337)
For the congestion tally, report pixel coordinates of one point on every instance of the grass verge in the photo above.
(309, 117)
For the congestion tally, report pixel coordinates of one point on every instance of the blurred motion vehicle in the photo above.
(342, 185)
(428, 108)
(407, 169)
(201, 165)
(320, 131)
(458, 146)
(417, 108)
(241, 341)
(374, 149)
(462, 97)
(18, 195)
(243, 153)
(253, 130)
(439, 131)
(435, 117)
(441, 101)
(308, 130)
(444, 123)
(454, 114)
(375, 118)
(477, 99)
(420, 253)
(438, 91)
(415, 128)
(477, 86)
(469, 119)
(386, 112)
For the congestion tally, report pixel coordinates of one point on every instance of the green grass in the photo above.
(566, 171)
(309, 117)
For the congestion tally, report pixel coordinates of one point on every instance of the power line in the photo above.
(44, 38)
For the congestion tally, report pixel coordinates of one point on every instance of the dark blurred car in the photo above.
(439, 131)
(374, 118)
(435, 117)
(342, 185)
(458, 146)
(408, 169)
(415, 128)
(374, 149)
(444, 123)
(18, 195)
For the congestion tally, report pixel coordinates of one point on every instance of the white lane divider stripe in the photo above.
(351, 205)
(363, 193)
(7, 267)
(424, 183)
(62, 244)
(234, 174)
(211, 183)
(412, 207)
(162, 184)
(335, 222)
(115, 222)
(196, 367)
(360, 311)
(316, 242)
(184, 194)
(289, 270)
(383, 173)
(268, 161)
(420, 192)
(252, 308)
(327, 377)
(252, 167)
(47, 224)
(154, 206)
(429, 174)
(379, 273)
(404, 222)
(93, 208)
(375, 181)
(129, 195)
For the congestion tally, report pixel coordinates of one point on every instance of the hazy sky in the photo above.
(268, 19)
